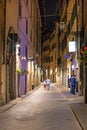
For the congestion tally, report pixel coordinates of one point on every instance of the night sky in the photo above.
(50, 9)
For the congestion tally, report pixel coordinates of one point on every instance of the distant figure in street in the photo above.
(44, 85)
(72, 84)
(48, 83)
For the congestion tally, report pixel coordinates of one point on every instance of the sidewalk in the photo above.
(80, 111)
(9, 105)
(15, 101)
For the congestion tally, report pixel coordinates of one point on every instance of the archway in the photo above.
(11, 63)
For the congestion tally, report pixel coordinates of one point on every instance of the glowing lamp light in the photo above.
(73, 66)
(56, 69)
(51, 71)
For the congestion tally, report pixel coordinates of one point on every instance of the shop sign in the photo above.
(72, 46)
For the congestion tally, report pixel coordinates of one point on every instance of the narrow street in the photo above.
(42, 110)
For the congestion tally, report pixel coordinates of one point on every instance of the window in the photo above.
(78, 2)
(26, 52)
(26, 2)
(26, 26)
(51, 59)
(20, 8)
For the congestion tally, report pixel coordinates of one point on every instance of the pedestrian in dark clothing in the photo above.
(72, 84)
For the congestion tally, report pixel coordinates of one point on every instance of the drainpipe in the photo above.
(85, 64)
(4, 37)
(82, 76)
(4, 44)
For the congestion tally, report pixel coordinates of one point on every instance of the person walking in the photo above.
(48, 83)
(72, 84)
(44, 85)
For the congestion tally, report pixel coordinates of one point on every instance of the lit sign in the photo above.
(72, 46)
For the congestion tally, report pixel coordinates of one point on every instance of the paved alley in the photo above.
(41, 110)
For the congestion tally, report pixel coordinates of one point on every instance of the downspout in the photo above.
(82, 28)
(4, 37)
(85, 44)
(4, 44)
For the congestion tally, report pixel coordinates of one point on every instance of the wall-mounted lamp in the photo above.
(62, 25)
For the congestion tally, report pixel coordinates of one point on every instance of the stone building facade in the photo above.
(19, 62)
(50, 55)
(74, 16)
